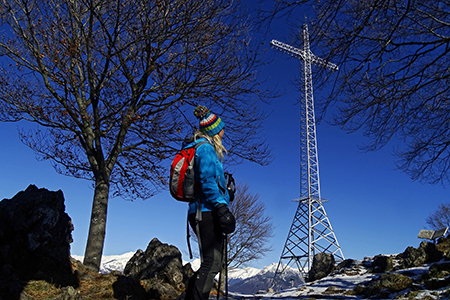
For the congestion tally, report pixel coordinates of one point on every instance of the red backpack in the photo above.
(181, 183)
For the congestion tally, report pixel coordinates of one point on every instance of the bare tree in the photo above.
(112, 86)
(440, 218)
(253, 229)
(394, 74)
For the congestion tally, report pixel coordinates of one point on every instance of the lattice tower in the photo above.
(311, 230)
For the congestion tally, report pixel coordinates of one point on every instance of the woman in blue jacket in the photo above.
(209, 215)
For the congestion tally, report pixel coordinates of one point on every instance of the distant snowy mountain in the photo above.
(247, 280)
(115, 262)
(251, 280)
(111, 262)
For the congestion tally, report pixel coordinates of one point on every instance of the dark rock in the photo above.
(433, 254)
(413, 257)
(345, 264)
(159, 269)
(443, 246)
(367, 262)
(425, 253)
(437, 271)
(35, 237)
(382, 263)
(323, 264)
(438, 276)
(128, 288)
(187, 272)
(381, 287)
(434, 284)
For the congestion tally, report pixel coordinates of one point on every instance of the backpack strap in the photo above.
(188, 236)
(198, 219)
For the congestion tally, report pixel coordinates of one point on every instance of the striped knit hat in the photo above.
(209, 122)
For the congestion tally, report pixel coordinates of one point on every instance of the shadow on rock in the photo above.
(35, 237)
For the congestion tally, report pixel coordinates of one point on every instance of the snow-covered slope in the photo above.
(248, 283)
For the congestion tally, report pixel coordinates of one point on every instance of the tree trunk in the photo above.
(97, 227)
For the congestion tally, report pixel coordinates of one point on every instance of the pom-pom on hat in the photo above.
(209, 122)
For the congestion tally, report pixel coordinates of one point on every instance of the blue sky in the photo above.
(373, 208)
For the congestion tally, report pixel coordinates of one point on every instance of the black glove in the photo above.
(225, 217)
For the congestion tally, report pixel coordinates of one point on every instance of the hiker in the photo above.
(211, 219)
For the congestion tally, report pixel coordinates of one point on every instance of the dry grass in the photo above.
(92, 285)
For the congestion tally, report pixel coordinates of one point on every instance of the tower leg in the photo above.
(310, 233)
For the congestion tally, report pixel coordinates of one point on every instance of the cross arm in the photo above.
(300, 54)
(292, 51)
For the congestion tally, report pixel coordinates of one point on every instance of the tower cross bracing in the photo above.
(311, 231)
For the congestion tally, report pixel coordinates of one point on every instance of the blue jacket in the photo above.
(208, 170)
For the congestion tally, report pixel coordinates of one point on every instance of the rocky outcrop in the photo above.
(35, 237)
(382, 263)
(323, 264)
(396, 278)
(159, 269)
(413, 257)
(425, 253)
(382, 286)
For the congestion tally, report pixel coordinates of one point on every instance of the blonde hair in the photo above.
(215, 140)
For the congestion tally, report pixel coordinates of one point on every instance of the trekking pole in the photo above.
(224, 242)
(218, 285)
(226, 266)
